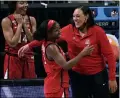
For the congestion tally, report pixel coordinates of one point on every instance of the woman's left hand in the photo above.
(112, 86)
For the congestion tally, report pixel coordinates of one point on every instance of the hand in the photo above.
(18, 18)
(23, 50)
(87, 50)
(112, 86)
(25, 20)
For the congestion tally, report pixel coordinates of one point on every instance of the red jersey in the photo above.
(23, 38)
(57, 77)
(94, 63)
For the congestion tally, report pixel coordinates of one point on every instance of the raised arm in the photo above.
(29, 47)
(54, 53)
(36, 43)
(29, 33)
(64, 34)
(11, 38)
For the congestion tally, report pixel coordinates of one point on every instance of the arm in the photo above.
(64, 34)
(54, 53)
(11, 39)
(107, 52)
(29, 34)
(28, 47)
(34, 43)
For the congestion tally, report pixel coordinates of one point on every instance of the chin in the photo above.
(23, 13)
(77, 26)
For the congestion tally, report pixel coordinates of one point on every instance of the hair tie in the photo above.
(50, 24)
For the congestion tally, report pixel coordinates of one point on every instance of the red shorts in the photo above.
(16, 68)
(63, 93)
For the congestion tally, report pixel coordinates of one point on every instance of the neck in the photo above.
(52, 40)
(83, 30)
(16, 12)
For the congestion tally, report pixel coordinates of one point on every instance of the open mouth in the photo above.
(25, 9)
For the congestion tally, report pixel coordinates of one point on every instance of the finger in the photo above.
(20, 52)
(92, 47)
(91, 50)
(113, 89)
(88, 45)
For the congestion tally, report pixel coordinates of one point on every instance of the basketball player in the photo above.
(18, 29)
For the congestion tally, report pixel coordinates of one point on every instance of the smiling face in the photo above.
(79, 18)
(21, 7)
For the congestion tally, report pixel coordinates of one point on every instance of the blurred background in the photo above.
(106, 15)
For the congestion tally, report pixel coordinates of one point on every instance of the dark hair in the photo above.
(114, 10)
(42, 31)
(12, 6)
(87, 11)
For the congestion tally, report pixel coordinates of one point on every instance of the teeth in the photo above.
(25, 9)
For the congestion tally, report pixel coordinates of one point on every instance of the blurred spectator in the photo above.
(114, 13)
(94, 13)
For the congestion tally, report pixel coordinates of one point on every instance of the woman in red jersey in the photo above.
(56, 83)
(18, 29)
(90, 76)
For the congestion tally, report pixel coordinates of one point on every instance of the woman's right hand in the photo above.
(87, 50)
(23, 50)
(19, 18)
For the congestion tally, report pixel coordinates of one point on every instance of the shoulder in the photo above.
(97, 29)
(67, 27)
(52, 48)
(5, 21)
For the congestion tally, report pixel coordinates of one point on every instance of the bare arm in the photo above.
(12, 39)
(53, 52)
(29, 34)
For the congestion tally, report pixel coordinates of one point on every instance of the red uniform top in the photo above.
(23, 39)
(57, 77)
(95, 62)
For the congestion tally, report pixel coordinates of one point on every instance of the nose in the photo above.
(26, 4)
